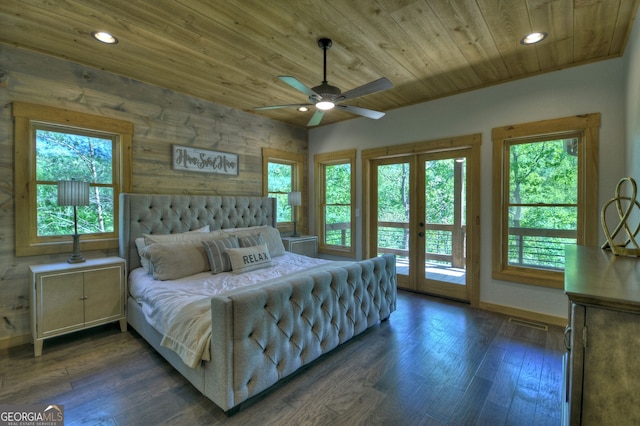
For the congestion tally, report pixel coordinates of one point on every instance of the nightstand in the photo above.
(69, 297)
(306, 245)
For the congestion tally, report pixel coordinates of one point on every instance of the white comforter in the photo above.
(180, 309)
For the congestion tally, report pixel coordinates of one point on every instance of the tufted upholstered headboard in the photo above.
(169, 214)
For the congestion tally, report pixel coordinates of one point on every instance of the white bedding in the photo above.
(180, 309)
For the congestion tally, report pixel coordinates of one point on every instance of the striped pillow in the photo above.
(250, 240)
(216, 251)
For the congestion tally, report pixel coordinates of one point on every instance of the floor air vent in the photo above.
(536, 325)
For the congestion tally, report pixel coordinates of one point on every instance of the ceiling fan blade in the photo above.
(316, 118)
(296, 84)
(366, 89)
(282, 106)
(369, 113)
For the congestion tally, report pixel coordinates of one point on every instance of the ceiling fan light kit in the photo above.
(326, 97)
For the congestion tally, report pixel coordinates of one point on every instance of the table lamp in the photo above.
(74, 193)
(295, 199)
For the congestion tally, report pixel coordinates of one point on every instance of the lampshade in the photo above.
(73, 193)
(295, 198)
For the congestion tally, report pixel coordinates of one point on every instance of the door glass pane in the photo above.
(444, 224)
(393, 213)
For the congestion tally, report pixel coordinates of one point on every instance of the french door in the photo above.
(424, 208)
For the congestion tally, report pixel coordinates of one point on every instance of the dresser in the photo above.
(602, 378)
(68, 297)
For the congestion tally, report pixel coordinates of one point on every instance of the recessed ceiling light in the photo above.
(303, 109)
(533, 38)
(104, 37)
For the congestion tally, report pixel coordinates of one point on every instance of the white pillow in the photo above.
(191, 236)
(246, 259)
(271, 237)
(242, 232)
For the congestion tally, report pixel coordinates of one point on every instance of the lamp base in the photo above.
(76, 257)
(295, 231)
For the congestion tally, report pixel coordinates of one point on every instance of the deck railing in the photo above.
(445, 245)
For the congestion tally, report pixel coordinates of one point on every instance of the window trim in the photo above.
(320, 162)
(25, 114)
(587, 229)
(270, 155)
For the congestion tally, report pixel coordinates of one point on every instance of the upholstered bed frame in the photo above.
(262, 334)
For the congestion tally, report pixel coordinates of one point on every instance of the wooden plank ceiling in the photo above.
(231, 52)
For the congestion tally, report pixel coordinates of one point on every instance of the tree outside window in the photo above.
(61, 155)
(282, 172)
(280, 183)
(545, 196)
(335, 192)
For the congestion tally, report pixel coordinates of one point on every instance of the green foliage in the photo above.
(67, 156)
(338, 204)
(280, 183)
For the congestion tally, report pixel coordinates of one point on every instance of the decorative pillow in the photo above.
(250, 240)
(192, 237)
(271, 237)
(141, 244)
(243, 232)
(249, 258)
(216, 252)
(177, 260)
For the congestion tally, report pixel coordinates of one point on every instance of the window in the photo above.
(53, 145)
(335, 192)
(281, 175)
(545, 196)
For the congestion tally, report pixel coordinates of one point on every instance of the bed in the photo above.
(260, 332)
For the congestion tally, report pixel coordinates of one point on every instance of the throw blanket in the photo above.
(189, 332)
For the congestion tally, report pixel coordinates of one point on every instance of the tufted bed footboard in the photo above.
(265, 334)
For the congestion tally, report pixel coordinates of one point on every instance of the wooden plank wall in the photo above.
(161, 118)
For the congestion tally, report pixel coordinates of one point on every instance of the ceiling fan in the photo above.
(326, 97)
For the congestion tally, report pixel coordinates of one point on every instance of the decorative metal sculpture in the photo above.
(624, 207)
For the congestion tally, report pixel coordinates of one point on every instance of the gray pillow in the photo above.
(216, 252)
(250, 240)
(177, 260)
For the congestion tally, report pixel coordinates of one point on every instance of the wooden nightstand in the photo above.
(69, 297)
(306, 245)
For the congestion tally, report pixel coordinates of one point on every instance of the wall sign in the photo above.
(204, 160)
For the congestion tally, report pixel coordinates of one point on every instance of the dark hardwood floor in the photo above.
(433, 362)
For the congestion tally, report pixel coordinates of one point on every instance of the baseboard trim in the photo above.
(12, 341)
(528, 315)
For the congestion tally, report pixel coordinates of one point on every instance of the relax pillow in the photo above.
(177, 260)
(217, 255)
(246, 259)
